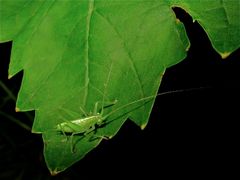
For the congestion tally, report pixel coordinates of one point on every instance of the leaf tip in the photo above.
(225, 55)
(10, 76)
(188, 47)
(143, 126)
(109, 137)
(54, 172)
(178, 21)
(17, 109)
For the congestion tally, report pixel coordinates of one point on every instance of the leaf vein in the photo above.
(88, 26)
(130, 58)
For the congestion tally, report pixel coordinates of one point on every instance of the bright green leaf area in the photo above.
(75, 53)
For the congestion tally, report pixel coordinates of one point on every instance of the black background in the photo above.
(190, 134)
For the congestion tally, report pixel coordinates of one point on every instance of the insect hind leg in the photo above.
(62, 131)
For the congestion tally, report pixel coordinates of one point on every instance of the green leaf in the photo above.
(75, 53)
(220, 19)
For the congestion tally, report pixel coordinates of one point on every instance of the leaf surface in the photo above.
(77, 53)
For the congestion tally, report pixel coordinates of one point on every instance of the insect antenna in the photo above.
(149, 98)
(105, 87)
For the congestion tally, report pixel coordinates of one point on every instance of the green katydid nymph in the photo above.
(84, 125)
(90, 122)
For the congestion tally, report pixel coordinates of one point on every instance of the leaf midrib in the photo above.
(88, 26)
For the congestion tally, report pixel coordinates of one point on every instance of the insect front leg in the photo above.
(104, 105)
(95, 110)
